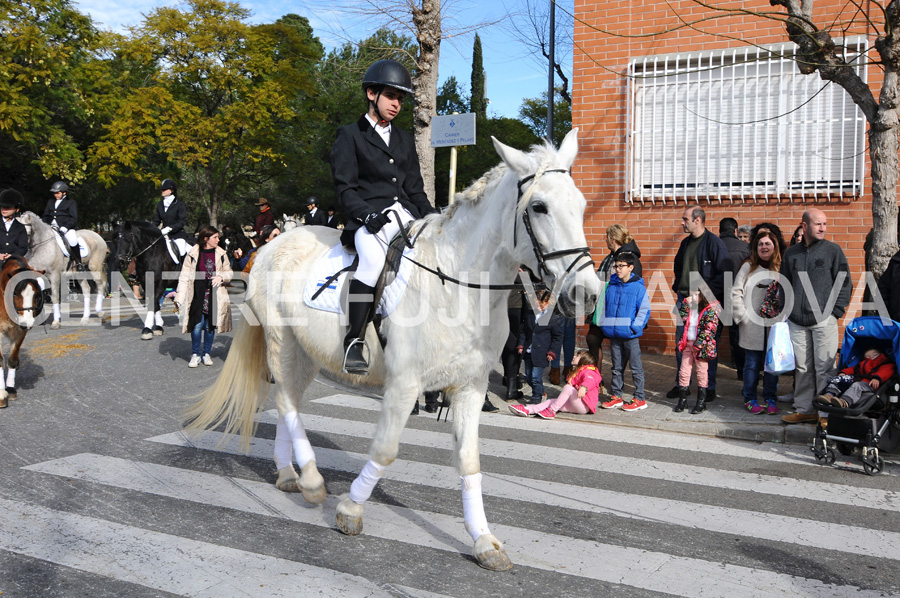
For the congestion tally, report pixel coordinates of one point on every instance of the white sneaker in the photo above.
(207, 360)
(195, 361)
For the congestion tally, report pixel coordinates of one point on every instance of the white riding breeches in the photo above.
(75, 241)
(182, 246)
(71, 237)
(372, 249)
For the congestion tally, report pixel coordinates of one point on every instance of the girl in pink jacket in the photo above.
(579, 395)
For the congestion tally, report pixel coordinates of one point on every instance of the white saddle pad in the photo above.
(173, 249)
(60, 240)
(337, 259)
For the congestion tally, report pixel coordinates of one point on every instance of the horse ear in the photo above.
(512, 157)
(285, 216)
(568, 149)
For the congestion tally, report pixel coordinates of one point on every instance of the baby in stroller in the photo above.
(857, 383)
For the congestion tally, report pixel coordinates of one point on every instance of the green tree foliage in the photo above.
(479, 101)
(475, 160)
(48, 75)
(534, 113)
(218, 94)
(450, 98)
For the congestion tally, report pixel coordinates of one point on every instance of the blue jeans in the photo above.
(208, 336)
(568, 343)
(624, 351)
(753, 362)
(535, 377)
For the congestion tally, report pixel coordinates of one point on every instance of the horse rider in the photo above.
(379, 186)
(62, 214)
(314, 215)
(171, 216)
(13, 235)
(265, 216)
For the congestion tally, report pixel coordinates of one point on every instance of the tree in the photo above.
(217, 95)
(479, 101)
(450, 98)
(531, 28)
(534, 113)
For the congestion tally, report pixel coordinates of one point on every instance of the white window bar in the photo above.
(742, 124)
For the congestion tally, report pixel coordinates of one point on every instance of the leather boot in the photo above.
(683, 392)
(75, 256)
(512, 390)
(553, 377)
(431, 401)
(358, 312)
(487, 406)
(700, 406)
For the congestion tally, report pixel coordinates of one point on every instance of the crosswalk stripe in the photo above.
(169, 563)
(632, 466)
(765, 526)
(653, 571)
(793, 455)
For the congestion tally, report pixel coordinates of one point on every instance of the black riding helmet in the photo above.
(59, 186)
(168, 184)
(10, 198)
(386, 73)
(312, 201)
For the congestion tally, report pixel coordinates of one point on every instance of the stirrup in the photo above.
(359, 369)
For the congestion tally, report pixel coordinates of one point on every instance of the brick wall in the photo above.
(599, 111)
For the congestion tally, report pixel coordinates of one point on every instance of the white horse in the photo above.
(442, 336)
(45, 254)
(290, 222)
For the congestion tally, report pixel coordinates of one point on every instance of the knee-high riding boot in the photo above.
(358, 310)
(75, 256)
(701, 401)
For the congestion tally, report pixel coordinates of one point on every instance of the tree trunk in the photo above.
(427, 20)
(883, 146)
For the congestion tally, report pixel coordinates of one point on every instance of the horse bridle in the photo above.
(128, 257)
(539, 254)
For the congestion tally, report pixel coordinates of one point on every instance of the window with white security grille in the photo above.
(742, 124)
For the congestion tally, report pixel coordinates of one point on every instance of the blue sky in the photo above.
(511, 75)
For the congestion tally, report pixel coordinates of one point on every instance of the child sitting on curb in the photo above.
(579, 395)
(855, 383)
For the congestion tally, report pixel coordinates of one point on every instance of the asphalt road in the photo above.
(100, 495)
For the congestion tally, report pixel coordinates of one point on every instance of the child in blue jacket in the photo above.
(539, 343)
(627, 312)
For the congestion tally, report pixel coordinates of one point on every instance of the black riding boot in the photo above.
(683, 392)
(700, 406)
(431, 401)
(487, 406)
(358, 312)
(511, 365)
(75, 253)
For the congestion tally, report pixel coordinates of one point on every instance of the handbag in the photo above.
(601, 304)
(779, 350)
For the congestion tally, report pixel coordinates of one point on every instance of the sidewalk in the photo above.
(725, 417)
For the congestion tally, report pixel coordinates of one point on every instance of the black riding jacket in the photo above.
(66, 214)
(175, 218)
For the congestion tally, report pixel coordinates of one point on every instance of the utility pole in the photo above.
(550, 93)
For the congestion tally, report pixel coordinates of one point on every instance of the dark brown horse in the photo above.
(21, 305)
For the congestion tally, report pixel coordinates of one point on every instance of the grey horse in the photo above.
(45, 253)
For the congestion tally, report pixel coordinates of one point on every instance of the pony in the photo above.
(144, 243)
(45, 254)
(22, 302)
(441, 336)
(290, 222)
(236, 244)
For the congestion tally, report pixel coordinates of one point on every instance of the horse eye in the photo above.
(539, 208)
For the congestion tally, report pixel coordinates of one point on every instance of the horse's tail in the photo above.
(239, 392)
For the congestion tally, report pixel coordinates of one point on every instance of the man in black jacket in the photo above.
(13, 236)
(62, 213)
(380, 188)
(314, 215)
(739, 251)
(702, 257)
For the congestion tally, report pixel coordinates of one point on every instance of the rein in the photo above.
(128, 257)
(541, 256)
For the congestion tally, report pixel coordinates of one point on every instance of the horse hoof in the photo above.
(54, 325)
(349, 516)
(288, 480)
(490, 555)
(146, 334)
(157, 331)
(312, 484)
(12, 393)
(101, 314)
(85, 321)
(3, 403)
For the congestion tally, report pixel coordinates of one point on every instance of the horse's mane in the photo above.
(143, 225)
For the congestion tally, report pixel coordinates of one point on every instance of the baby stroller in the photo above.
(873, 424)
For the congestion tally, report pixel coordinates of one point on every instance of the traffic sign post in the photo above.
(451, 131)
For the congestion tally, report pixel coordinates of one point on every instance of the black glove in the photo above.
(375, 221)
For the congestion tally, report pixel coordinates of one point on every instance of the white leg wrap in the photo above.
(148, 320)
(87, 306)
(282, 445)
(473, 507)
(159, 320)
(11, 378)
(362, 486)
(98, 305)
(56, 317)
(303, 451)
(41, 282)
